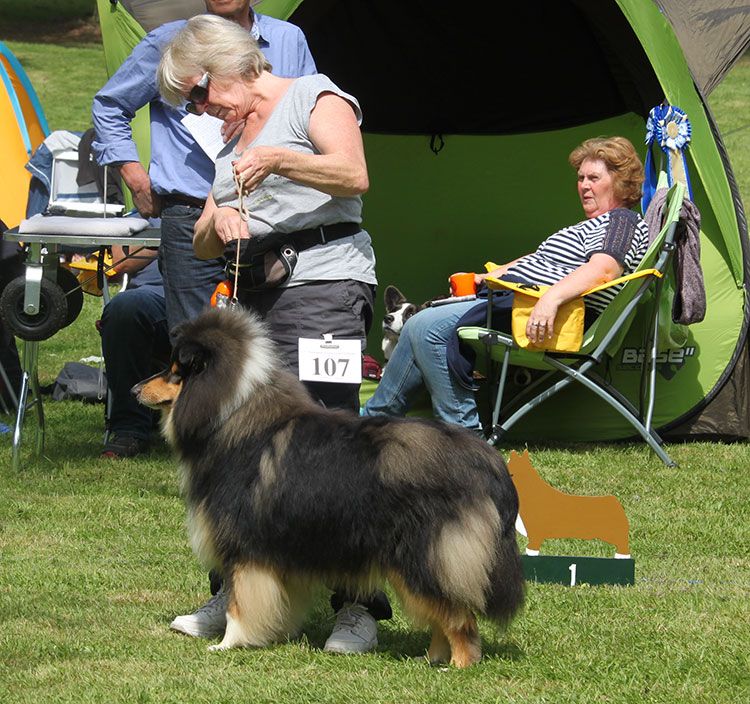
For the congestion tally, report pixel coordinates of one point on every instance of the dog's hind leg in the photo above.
(460, 628)
(455, 636)
(258, 608)
(440, 649)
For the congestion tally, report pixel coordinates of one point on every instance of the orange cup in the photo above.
(462, 284)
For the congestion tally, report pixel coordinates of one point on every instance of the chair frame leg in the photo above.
(613, 398)
(29, 383)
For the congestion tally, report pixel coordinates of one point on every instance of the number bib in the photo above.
(329, 360)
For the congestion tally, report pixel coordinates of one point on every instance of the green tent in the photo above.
(470, 112)
(469, 119)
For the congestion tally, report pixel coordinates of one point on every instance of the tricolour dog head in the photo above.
(397, 311)
(218, 359)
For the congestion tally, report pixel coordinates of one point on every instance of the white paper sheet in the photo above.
(207, 132)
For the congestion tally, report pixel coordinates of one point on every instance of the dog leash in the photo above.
(245, 215)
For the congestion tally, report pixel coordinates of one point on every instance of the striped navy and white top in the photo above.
(621, 233)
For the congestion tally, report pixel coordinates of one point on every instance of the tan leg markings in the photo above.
(455, 635)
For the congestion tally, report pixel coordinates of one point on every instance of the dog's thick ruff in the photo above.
(283, 494)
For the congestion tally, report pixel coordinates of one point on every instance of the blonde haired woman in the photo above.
(301, 165)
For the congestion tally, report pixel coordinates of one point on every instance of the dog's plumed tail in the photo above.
(476, 557)
(506, 593)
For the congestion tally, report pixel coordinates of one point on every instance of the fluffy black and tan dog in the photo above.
(284, 495)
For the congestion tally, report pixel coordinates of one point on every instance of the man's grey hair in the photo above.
(207, 44)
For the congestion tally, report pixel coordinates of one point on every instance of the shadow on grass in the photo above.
(400, 642)
(68, 32)
(414, 644)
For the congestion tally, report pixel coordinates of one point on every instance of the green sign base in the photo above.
(570, 570)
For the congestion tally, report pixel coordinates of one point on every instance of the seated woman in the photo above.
(609, 242)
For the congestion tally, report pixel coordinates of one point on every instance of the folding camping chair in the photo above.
(602, 339)
(69, 197)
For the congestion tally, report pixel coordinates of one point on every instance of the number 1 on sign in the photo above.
(573, 569)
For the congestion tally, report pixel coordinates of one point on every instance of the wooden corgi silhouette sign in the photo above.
(545, 512)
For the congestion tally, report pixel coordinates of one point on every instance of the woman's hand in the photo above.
(338, 168)
(229, 225)
(541, 325)
(598, 270)
(216, 228)
(255, 165)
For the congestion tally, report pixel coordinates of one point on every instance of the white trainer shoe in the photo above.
(355, 631)
(209, 621)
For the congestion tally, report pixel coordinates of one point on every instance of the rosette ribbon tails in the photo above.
(669, 128)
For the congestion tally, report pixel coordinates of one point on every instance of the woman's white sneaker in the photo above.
(355, 631)
(209, 621)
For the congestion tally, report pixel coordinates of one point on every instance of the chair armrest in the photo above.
(623, 279)
(485, 335)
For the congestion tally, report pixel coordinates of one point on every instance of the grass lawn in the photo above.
(94, 561)
(50, 9)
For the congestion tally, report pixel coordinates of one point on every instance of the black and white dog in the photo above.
(397, 311)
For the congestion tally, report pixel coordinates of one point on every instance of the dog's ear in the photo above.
(201, 396)
(393, 298)
(192, 359)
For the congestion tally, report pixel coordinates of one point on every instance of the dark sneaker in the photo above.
(119, 446)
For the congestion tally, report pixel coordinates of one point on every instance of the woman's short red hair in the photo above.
(621, 160)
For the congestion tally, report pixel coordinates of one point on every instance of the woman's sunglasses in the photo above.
(198, 94)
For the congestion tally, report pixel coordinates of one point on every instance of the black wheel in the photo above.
(71, 287)
(52, 315)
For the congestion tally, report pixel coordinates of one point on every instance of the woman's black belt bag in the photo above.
(270, 261)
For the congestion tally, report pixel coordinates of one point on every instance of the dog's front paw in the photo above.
(217, 647)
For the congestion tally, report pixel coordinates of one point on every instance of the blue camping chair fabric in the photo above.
(600, 340)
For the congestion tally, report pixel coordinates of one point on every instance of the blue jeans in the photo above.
(420, 359)
(134, 340)
(188, 281)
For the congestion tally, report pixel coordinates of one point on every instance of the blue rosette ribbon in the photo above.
(668, 127)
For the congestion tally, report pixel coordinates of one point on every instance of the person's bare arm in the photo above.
(138, 181)
(216, 228)
(600, 269)
(130, 264)
(340, 168)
